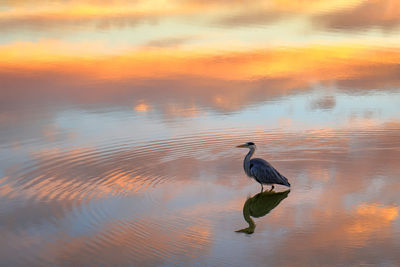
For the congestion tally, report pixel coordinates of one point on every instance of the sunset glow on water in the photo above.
(119, 122)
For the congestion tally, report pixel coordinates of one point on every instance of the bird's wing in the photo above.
(264, 173)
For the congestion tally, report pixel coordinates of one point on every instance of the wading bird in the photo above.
(260, 170)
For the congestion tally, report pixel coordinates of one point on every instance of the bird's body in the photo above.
(260, 170)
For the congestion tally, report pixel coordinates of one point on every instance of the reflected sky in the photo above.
(119, 121)
(125, 24)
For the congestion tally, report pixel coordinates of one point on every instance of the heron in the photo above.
(260, 170)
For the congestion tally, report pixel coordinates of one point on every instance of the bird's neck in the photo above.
(247, 213)
(246, 161)
(248, 219)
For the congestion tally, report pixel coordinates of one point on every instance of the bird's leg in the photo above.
(262, 188)
(272, 188)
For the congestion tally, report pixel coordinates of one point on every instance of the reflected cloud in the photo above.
(171, 42)
(142, 107)
(372, 218)
(40, 23)
(138, 240)
(349, 234)
(143, 241)
(367, 14)
(323, 103)
(251, 18)
(70, 15)
(312, 64)
(260, 205)
(198, 80)
(298, 22)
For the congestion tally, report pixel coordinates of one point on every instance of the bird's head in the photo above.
(249, 145)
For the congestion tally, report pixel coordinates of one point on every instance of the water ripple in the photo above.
(79, 183)
(122, 167)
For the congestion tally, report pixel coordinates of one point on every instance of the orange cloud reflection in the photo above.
(315, 63)
(142, 107)
(224, 80)
(385, 213)
(370, 218)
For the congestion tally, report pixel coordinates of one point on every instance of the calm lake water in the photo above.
(119, 121)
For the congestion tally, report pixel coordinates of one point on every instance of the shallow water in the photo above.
(118, 127)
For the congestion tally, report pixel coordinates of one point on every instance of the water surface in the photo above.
(118, 127)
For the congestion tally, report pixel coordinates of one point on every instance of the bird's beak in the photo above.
(244, 145)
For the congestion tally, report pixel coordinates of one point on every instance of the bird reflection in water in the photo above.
(260, 205)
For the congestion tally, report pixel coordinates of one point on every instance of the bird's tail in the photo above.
(286, 182)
